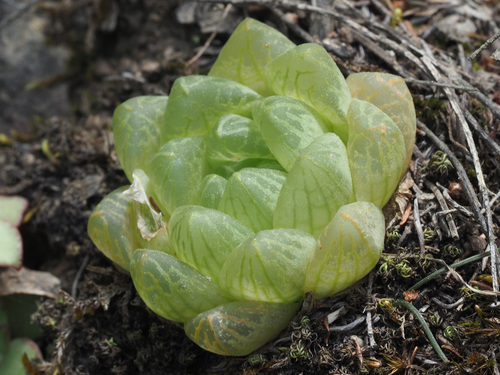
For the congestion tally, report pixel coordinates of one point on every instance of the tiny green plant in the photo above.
(253, 186)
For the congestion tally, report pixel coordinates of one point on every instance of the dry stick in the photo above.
(482, 133)
(369, 326)
(211, 37)
(484, 46)
(293, 26)
(439, 84)
(468, 189)
(418, 225)
(449, 219)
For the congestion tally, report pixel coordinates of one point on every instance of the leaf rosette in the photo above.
(253, 186)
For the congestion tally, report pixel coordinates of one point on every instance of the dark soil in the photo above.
(121, 49)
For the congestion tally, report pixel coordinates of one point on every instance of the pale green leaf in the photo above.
(250, 196)
(203, 237)
(235, 142)
(270, 266)
(212, 189)
(171, 288)
(308, 73)
(12, 362)
(288, 126)
(197, 102)
(177, 172)
(376, 152)
(318, 184)
(349, 248)
(137, 131)
(111, 229)
(11, 245)
(390, 94)
(239, 328)
(246, 53)
(12, 209)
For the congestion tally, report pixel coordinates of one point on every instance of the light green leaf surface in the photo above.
(250, 196)
(391, 95)
(212, 189)
(246, 53)
(203, 237)
(197, 102)
(12, 362)
(12, 209)
(318, 184)
(137, 131)
(376, 152)
(11, 245)
(239, 328)
(288, 126)
(349, 248)
(111, 228)
(235, 142)
(177, 172)
(171, 288)
(269, 267)
(308, 73)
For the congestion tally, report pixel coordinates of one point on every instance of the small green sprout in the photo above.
(253, 186)
(440, 163)
(403, 268)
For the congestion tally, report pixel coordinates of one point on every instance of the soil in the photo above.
(63, 161)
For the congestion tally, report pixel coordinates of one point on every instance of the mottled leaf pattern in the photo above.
(172, 288)
(309, 74)
(247, 52)
(350, 247)
(288, 126)
(177, 172)
(318, 184)
(137, 131)
(376, 152)
(239, 328)
(234, 143)
(390, 94)
(269, 267)
(112, 229)
(212, 189)
(250, 196)
(197, 102)
(204, 238)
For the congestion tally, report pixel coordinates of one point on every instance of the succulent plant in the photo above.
(253, 186)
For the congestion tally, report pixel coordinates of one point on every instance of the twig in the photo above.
(482, 133)
(74, 286)
(484, 46)
(440, 271)
(418, 225)
(460, 278)
(449, 219)
(424, 325)
(348, 327)
(440, 84)
(293, 26)
(468, 189)
(369, 326)
(211, 37)
(450, 305)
